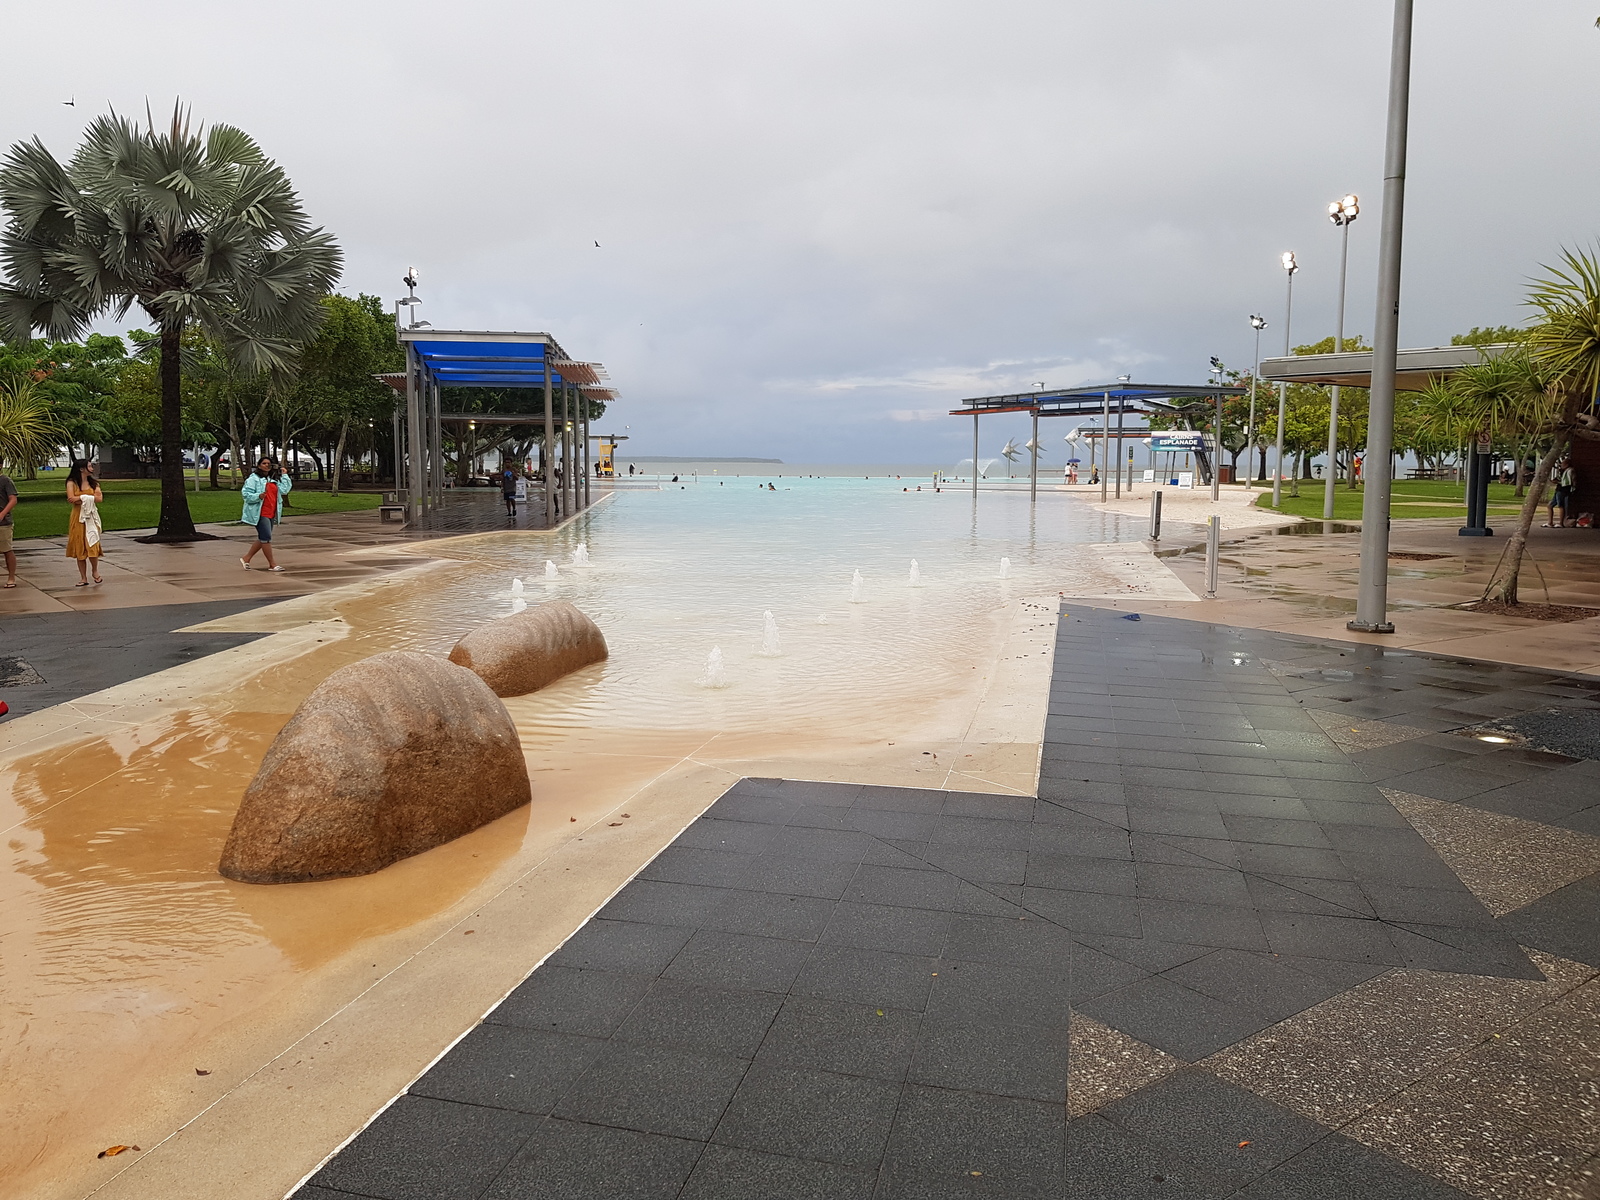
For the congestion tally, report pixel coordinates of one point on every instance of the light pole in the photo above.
(1216, 449)
(1342, 213)
(1258, 324)
(1372, 597)
(1290, 267)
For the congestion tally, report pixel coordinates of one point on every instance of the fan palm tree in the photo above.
(1564, 361)
(195, 226)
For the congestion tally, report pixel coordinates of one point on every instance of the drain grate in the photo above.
(17, 672)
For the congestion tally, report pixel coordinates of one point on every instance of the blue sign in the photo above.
(1181, 441)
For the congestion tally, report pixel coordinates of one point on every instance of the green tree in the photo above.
(1490, 335)
(28, 436)
(195, 226)
(1564, 347)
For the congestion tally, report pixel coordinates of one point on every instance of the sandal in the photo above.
(85, 583)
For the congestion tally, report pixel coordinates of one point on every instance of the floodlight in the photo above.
(1289, 264)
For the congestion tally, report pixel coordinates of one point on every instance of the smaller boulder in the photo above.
(388, 757)
(531, 649)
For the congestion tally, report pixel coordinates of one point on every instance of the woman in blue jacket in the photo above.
(263, 496)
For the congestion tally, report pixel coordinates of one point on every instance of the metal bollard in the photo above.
(1213, 544)
(1155, 515)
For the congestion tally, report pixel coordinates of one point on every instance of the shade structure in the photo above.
(1092, 398)
(475, 358)
(1414, 369)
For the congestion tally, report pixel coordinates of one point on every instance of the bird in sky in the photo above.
(73, 102)
(597, 245)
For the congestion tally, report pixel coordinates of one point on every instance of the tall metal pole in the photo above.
(1333, 401)
(395, 417)
(1283, 389)
(1216, 451)
(1033, 485)
(974, 456)
(414, 437)
(547, 451)
(588, 467)
(1105, 442)
(1372, 597)
(1250, 433)
(1122, 409)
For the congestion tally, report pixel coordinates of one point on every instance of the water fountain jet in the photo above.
(855, 588)
(916, 575)
(516, 586)
(580, 556)
(716, 676)
(550, 570)
(770, 646)
(1005, 568)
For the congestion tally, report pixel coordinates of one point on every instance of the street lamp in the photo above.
(1258, 324)
(1290, 267)
(1342, 213)
(1216, 449)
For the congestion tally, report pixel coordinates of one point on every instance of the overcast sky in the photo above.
(822, 224)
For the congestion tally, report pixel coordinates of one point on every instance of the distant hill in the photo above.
(676, 458)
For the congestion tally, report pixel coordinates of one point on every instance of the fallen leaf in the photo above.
(880, 1012)
(626, 815)
(612, 824)
(465, 932)
(1242, 1145)
(975, 1174)
(572, 818)
(113, 1151)
(198, 1071)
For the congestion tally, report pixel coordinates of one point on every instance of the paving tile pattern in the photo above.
(831, 990)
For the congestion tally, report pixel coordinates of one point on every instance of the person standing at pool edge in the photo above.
(8, 501)
(263, 495)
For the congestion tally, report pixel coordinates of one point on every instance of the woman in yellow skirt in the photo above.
(83, 520)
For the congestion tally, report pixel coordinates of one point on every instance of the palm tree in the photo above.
(28, 435)
(1564, 357)
(195, 226)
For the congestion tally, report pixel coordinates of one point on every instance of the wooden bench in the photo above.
(391, 512)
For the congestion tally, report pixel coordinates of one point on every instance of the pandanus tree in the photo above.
(196, 226)
(1558, 393)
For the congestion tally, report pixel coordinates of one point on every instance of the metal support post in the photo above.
(1033, 484)
(1105, 430)
(1122, 409)
(1333, 396)
(1213, 546)
(588, 465)
(1216, 454)
(395, 417)
(438, 443)
(1372, 596)
(546, 451)
(414, 437)
(1155, 515)
(974, 456)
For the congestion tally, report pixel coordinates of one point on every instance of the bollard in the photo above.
(1155, 515)
(1213, 544)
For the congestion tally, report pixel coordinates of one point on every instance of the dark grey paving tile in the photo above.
(654, 902)
(726, 1173)
(989, 806)
(1339, 1168)
(424, 1149)
(686, 864)
(1411, 870)
(1185, 1023)
(810, 1114)
(984, 832)
(1107, 841)
(505, 1066)
(1095, 972)
(1022, 941)
(979, 864)
(1275, 831)
(737, 960)
(1199, 1119)
(654, 1089)
(887, 823)
(715, 1020)
(1428, 906)
(1184, 851)
(848, 1039)
(1566, 922)
(907, 887)
(1205, 823)
(761, 809)
(1004, 1060)
(1199, 924)
(1148, 954)
(1464, 951)
(1311, 862)
(743, 836)
(1327, 897)
(1081, 873)
(769, 914)
(1208, 885)
(999, 993)
(901, 799)
(887, 927)
(830, 845)
(796, 876)
(568, 1000)
(575, 1161)
(627, 946)
(1015, 1145)
(1259, 981)
(1084, 913)
(1309, 935)
(875, 977)
(1106, 1162)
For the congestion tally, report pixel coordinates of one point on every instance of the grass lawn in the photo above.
(1409, 498)
(42, 508)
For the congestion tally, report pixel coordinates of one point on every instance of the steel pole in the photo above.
(1033, 485)
(974, 456)
(588, 467)
(547, 451)
(414, 438)
(1250, 432)
(1105, 439)
(1372, 596)
(1283, 398)
(1333, 402)
(1122, 408)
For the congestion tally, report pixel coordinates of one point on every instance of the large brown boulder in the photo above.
(386, 758)
(524, 652)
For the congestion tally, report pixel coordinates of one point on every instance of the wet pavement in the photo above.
(1280, 922)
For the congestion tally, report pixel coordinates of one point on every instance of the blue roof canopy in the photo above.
(467, 358)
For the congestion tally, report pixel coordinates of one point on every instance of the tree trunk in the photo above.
(176, 524)
(1503, 585)
(337, 461)
(1294, 472)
